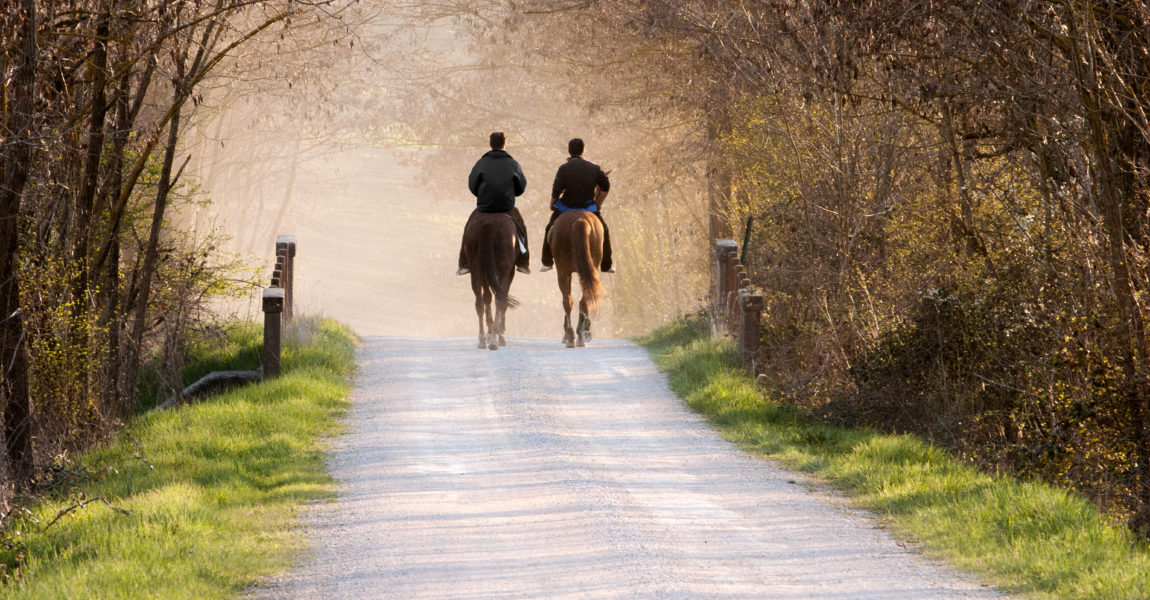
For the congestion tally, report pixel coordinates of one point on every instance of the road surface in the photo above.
(542, 472)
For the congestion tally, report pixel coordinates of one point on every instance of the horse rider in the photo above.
(496, 179)
(574, 188)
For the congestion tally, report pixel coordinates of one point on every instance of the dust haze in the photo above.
(362, 151)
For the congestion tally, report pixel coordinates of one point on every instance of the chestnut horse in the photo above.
(577, 245)
(492, 247)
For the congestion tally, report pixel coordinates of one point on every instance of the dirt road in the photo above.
(541, 472)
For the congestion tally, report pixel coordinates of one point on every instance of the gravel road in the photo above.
(541, 472)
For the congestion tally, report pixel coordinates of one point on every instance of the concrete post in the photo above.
(273, 305)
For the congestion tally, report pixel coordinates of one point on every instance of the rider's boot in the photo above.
(523, 257)
(548, 261)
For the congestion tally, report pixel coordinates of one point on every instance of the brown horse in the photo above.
(492, 247)
(577, 245)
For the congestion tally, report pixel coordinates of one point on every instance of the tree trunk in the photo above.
(17, 158)
(108, 267)
(151, 253)
(289, 187)
(86, 202)
(1115, 148)
(718, 180)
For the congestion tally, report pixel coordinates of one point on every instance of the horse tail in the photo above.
(492, 277)
(585, 264)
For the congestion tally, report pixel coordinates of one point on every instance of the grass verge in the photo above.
(1026, 538)
(196, 502)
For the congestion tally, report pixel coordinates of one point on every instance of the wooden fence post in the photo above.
(750, 326)
(286, 244)
(733, 270)
(284, 271)
(738, 278)
(273, 305)
(733, 302)
(278, 273)
(724, 250)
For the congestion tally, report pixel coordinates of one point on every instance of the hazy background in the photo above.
(362, 150)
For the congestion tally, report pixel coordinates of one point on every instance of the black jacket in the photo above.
(496, 179)
(576, 180)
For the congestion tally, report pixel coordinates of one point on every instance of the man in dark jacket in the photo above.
(496, 180)
(574, 188)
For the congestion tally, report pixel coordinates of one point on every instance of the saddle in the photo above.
(520, 246)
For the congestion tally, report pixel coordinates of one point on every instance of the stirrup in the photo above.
(545, 268)
(463, 271)
(524, 270)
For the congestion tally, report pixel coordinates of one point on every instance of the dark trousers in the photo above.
(522, 259)
(549, 260)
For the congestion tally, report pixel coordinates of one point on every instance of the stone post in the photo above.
(273, 305)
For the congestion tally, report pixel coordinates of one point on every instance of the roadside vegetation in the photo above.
(109, 265)
(199, 501)
(943, 204)
(1029, 538)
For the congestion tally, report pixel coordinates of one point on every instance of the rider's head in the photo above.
(498, 140)
(575, 147)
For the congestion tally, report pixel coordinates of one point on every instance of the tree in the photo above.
(92, 104)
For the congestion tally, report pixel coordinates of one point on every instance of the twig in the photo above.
(83, 503)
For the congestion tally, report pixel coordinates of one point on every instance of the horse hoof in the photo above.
(587, 336)
(581, 343)
(502, 341)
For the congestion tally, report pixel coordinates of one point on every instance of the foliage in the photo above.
(194, 502)
(950, 207)
(560, 67)
(1026, 537)
(96, 276)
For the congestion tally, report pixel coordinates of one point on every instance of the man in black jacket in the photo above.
(574, 188)
(496, 180)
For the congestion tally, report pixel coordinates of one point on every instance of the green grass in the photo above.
(1027, 538)
(211, 490)
(235, 347)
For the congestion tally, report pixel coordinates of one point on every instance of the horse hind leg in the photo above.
(503, 327)
(479, 309)
(583, 330)
(568, 332)
(501, 324)
(492, 341)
